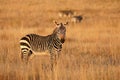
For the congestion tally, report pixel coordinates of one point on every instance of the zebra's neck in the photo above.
(56, 37)
(56, 42)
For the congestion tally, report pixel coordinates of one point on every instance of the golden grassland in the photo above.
(91, 50)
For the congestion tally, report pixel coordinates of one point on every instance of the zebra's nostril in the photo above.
(62, 40)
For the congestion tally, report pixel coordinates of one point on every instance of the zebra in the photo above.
(66, 13)
(76, 19)
(34, 44)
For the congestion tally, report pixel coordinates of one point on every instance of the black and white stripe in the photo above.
(33, 44)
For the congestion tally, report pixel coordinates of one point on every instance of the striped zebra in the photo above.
(33, 44)
(66, 13)
(76, 19)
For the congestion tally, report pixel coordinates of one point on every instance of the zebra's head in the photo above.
(60, 31)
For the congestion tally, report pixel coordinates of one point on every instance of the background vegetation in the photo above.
(91, 50)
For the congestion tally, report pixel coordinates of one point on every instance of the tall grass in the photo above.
(91, 50)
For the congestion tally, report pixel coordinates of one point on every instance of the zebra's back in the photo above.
(35, 43)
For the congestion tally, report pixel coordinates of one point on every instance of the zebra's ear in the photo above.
(66, 23)
(56, 23)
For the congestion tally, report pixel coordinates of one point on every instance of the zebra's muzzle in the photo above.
(62, 40)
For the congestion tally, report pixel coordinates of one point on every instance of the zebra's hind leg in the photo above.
(25, 55)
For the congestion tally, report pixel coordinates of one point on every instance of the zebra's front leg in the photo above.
(57, 55)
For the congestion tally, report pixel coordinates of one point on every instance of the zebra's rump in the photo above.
(25, 43)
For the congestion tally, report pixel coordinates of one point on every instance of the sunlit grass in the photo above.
(91, 50)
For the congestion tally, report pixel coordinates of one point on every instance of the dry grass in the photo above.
(91, 50)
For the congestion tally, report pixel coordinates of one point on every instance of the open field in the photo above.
(91, 50)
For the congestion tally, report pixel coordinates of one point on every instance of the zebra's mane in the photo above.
(55, 31)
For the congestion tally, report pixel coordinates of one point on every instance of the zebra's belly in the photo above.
(46, 53)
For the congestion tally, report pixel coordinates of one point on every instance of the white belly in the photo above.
(41, 53)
